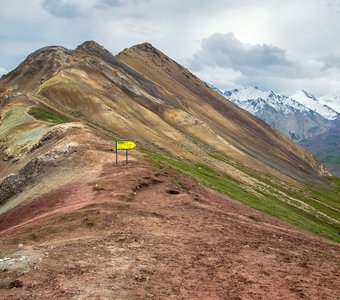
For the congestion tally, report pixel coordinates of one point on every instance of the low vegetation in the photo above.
(269, 201)
(44, 115)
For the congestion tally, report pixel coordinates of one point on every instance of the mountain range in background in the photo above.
(312, 122)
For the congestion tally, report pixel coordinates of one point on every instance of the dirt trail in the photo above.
(148, 233)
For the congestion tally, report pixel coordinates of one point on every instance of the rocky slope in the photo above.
(61, 112)
(142, 95)
(135, 238)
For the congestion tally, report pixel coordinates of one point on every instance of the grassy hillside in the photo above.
(325, 199)
(43, 115)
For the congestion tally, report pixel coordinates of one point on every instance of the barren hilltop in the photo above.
(214, 203)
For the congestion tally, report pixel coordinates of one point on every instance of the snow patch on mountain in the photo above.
(253, 100)
(310, 101)
(331, 100)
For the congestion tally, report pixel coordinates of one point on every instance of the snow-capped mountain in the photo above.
(311, 102)
(314, 123)
(253, 100)
(331, 100)
(293, 118)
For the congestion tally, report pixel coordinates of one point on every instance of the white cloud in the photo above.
(225, 50)
(224, 78)
(275, 42)
(69, 9)
(262, 65)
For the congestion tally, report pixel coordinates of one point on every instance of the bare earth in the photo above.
(139, 232)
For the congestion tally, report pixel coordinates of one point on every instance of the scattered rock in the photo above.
(97, 187)
(16, 284)
(9, 281)
(254, 218)
(173, 192)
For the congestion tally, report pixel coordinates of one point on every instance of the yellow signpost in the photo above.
(124, 145)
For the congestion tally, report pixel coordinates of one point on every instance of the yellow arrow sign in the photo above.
(125, 145)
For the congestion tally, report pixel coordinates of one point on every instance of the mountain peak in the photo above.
(146, 47)
(313, 103)
(332, 100)
(302, 93)
(90, 45)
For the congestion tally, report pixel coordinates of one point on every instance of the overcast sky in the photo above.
(282, 45)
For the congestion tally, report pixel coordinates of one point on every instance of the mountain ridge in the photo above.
(143, 95)
(313, 103)
(332, 100)
(212, 199)
(64, 58)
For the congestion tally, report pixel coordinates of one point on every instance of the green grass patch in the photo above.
(329, 194)
(267, 202)
(44, 115)
(323, 197)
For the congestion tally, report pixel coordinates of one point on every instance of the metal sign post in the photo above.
(117, 153)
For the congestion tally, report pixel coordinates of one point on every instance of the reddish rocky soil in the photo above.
(146, 233)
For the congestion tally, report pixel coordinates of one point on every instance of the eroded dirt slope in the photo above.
(143, 232)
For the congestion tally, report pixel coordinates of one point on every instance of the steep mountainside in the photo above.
(247, 137)
(61, 105)
(156, 102)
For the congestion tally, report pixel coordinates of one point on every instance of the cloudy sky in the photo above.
(282, 45)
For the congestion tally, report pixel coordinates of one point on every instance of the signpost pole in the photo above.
(117, 153)
(126, 154)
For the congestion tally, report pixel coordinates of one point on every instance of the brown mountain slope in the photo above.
(73, 225)
(157, 102)
(143, 95)
(252, 138)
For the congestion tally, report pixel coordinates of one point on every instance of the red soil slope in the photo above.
(138, 232)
